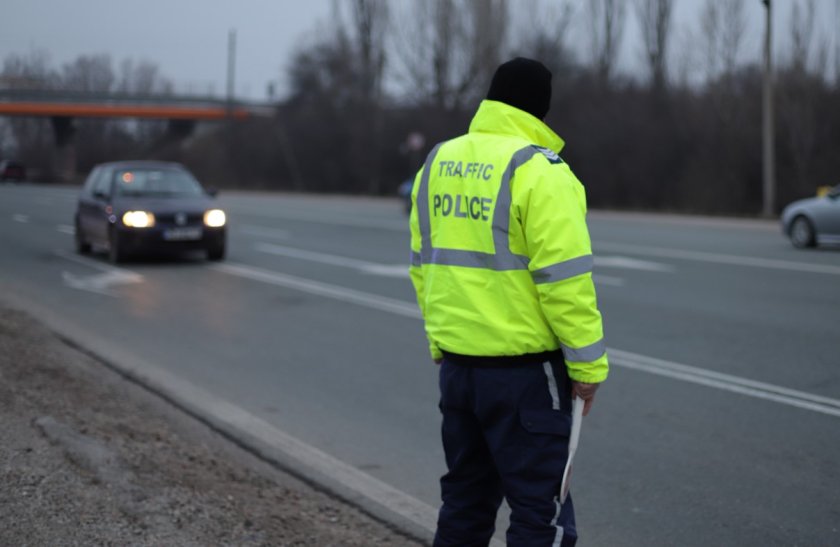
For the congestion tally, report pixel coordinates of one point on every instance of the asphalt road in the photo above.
(719, 424)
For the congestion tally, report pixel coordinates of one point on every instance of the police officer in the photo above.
(502, 265)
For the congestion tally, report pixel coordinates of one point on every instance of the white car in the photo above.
(813, 221)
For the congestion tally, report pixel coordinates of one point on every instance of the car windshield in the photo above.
(157, 182)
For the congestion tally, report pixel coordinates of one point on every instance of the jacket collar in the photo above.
(500, 118)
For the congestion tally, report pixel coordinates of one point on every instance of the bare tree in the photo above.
(142, 78)
(369, 25)
(798, 93)
(543, 31)
(345, 62)
(450, 48)
(801, 34)
(339, 77)
(734, 26)
(489, 29)
(606, 27)
(88, 73)
(655, 22)
(447, 32)
(710, 27)
(28, 71)
(722, 24)
(323, 72)
(369, 28)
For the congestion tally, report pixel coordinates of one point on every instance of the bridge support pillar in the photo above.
(64, 154)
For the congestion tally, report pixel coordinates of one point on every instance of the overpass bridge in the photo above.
(63, 108)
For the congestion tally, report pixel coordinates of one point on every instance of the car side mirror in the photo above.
(212, 192)
(100, 195)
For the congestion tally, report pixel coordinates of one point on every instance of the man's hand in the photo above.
(586, 392)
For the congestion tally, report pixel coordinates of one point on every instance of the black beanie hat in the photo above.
(524, 84)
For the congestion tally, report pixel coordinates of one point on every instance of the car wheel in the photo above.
(802, 233)
(82, 246)
(216, 253)
(116, 253)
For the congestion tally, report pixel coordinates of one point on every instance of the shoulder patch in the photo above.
(551, 155)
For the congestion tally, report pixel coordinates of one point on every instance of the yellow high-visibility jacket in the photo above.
(501, 258)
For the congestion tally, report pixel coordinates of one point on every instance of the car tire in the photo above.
(216, 254)
(82, 246)
(802, 233)
(116, 253)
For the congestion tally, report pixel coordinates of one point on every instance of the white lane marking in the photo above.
(322, 217)
(388, 270)
(607, 280)
(382, 303)
(687, 220)
(375, 268)
(726, 382)
(66, 229)
(313, 256)
(20, 218)
(631, 264)
(828, 239)
(695, 375)
(718, 258)
(262, 231)
(98, 283)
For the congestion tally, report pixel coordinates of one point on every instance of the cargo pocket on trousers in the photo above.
(546, 422)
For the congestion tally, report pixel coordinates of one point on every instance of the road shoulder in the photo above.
(92, 458)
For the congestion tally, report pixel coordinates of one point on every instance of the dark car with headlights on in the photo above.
(148, 206)
(813, 221)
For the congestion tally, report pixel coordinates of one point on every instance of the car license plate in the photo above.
(182, 234)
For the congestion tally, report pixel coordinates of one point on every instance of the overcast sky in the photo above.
(188, 38)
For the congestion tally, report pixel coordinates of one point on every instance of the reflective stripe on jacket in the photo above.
(501, 258)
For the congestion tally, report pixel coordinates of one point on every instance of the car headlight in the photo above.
(215, 218)
(138, 219)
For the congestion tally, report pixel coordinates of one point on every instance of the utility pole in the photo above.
(231, 69)
(769, 169)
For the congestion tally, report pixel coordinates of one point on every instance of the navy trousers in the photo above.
(505, 434)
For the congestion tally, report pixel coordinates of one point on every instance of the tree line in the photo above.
(372, 92)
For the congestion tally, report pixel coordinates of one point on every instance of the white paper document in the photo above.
(577, 419)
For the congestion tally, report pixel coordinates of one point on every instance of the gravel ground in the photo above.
(89, 458)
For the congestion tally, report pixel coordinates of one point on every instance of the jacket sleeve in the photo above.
(557, 239)
(415, 270)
